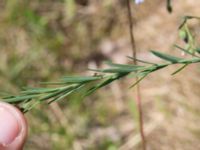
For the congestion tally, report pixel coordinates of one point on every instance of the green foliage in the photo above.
(66, 86)
(166, 57)
(54, 34)
(186, 35)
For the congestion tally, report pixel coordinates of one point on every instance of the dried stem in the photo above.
(133, 45)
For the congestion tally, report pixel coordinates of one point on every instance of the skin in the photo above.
(13, 128)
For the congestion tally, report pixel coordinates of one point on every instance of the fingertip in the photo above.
(13, 127)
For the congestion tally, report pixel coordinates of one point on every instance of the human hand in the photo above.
(13, 128)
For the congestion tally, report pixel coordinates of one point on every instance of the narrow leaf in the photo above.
(104, 83)
(117, 70)
(166, 57)
(138, 81)
(19, 98)
(80, 79)
(65, 94)
(142, 61)
(181, 68)
(39, 90)
(186, 51)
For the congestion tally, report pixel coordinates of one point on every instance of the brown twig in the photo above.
(133, 45)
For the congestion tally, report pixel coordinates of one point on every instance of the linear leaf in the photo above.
(166, 57)
(80, 79)
(117, 70)
(65, 94)
(142, 61)
(181, 68)
(186, 51)
(138, 81)
(51, 95)
(104, 83)
(39, 90)
(20, 98)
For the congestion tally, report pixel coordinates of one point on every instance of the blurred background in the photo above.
(43, 40)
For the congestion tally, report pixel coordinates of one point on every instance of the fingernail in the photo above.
(10, 126)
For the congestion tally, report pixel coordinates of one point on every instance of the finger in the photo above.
(13, 128)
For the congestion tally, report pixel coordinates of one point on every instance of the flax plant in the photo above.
(66, 86)
(55, 91)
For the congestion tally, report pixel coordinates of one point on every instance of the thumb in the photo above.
(13, 128)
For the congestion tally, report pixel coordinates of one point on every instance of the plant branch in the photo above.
(55, 91)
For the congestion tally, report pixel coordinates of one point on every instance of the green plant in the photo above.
(66, 86)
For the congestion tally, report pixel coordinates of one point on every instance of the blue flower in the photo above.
(139, 1)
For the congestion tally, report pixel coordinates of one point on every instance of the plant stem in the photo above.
(141, 123)
(138, 92)
(133, 45)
